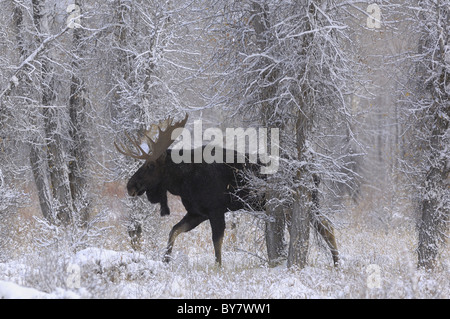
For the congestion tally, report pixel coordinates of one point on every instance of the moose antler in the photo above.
(156, 148)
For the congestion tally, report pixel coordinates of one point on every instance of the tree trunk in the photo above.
(37, 153)
(39, 169)
(59, 180)
(429, 233)
(124, 60)
(274, 231)
(77, 111)
(435, 213)
(275, 224)
(434, 210)
(299, 229)
(301, 208)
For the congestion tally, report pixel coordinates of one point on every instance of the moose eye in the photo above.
(151, 166)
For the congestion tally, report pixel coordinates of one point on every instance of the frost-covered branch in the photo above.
(27, 62)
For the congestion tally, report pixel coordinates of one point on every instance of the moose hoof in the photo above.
(167, 258)
(165, 211)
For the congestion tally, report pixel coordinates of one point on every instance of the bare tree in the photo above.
(281, 63)
(150, 53)
(78, 113)
(428, 115)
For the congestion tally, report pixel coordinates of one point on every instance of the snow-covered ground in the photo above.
(375, 264)
(377, 250)
(101, 273)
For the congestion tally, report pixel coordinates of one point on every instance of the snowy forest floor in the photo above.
(377, 250)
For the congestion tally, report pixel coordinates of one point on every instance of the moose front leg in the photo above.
(187, 223)
(164, 210)
(159, 195)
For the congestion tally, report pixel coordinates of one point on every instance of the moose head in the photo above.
(149, 177)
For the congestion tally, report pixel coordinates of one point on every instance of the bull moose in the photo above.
(207, 190)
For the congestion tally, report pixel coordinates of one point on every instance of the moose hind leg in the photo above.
(187, 223)
(326, 230)
(218, 229)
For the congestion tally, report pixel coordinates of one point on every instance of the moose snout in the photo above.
(132, 192)
(134, 189)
